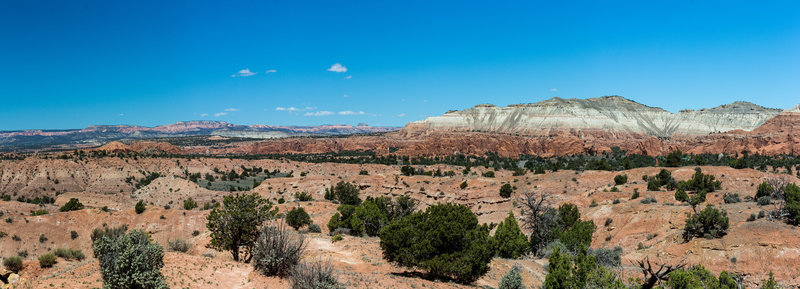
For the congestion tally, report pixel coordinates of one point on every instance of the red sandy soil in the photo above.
(758, 247)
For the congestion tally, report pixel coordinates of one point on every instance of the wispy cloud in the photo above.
(401, 115)
(349, 112)
(203, 114)
(220, 114)
(270, 71)
(121, 114)
(348, 77)
(293, 109)
(338, 67)
(318, 113)
(554, 89)
(345, 96)
(231, 109)
(244, 73)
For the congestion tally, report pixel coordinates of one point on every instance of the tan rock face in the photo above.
(609, 113)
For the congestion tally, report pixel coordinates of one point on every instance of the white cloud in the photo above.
(338, 67)
(554, 89)
(220, 114)
(401, 115)
(270, 71)
(348, 77)
(348, 112)
(121, 114)
(346, 96)
(203, 114)
(293, 109)
(231, 109)
(244, 73)
(319, 113)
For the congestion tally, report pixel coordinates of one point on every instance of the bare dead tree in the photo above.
(540, 218)
(535, 204)
(779, 185)
(653, 277)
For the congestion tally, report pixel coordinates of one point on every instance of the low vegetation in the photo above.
(234, 226)
(277, 251)
(130, 261)
(297, 218)
(445, 241)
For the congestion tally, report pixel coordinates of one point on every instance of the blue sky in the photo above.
(70, 64)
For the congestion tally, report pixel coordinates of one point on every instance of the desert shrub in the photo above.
(189, 204)
(371, 215)
(23, 253)
(16, 238)
(303, 196)
(616, 201)
(73, 235)
(488, 174)
(178, 245)
(730, 198)
(635, 194)
(363, 173)
(649, 200)
(113, 233)
(281, 200)
(130, 261)
(580, 271)
(463, 185)
(751, 218)
(39, 212)
(614, 189)
(578, 235)
(508, 240)
(699, 277)
(13, 263)
(620, 179)
(764, 190)
(763, 201)
(69, 254)
(234, 226)
(608, 257)
(445, 240)
(770, 283)
(653, 185)
(42, 238)
(139, 207)
(337, 237)
(701, 182)
(3, 234)
(314, 228)
(506, 190)
(47, 260)
(512, 280)
(277, 251)
(297, 218)
(72, 205)
(792, 206)
(346, 193)
(709, 223)
(314, 275)
(681, 195)
(674, 159)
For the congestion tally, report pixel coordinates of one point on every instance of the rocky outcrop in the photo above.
(607, 114)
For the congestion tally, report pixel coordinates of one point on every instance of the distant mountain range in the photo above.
(92, 136)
